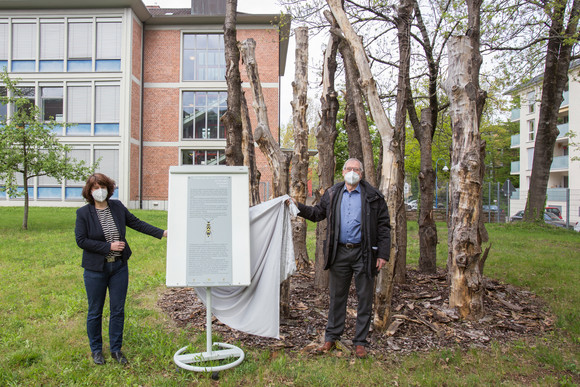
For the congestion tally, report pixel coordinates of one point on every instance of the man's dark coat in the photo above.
(375, 224)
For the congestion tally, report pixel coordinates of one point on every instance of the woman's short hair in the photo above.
(103, 181)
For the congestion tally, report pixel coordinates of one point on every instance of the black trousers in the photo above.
(349, 263)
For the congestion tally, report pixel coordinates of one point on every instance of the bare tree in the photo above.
(299, 174)
(326, 134)
(465, 261)
(248, 150)
(232, 118)
(391, 176)
(278, 161)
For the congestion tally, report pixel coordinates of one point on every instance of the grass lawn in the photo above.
(43, 311)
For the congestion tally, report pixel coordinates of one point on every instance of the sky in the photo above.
(258, 7)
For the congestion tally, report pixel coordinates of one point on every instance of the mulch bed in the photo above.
(421, 318)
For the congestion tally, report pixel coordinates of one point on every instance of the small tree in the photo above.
(28, 146)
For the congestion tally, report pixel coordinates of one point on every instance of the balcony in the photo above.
(516, 140)
(556, 194)
(566, 100)
(515, 168)
(559, 162)
(515, 114)
(563, 128)
(515, 194)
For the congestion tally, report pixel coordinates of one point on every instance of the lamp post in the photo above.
(445, 169)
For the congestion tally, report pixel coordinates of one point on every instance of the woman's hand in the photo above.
(165, 233)
(117, 246)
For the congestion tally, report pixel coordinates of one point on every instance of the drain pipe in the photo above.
(141, 118)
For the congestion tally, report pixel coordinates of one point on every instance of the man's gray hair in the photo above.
(353, 159)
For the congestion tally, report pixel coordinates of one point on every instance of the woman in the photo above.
(100, 232)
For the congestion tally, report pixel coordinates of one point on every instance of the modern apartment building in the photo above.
(564, 181)
(143, 86)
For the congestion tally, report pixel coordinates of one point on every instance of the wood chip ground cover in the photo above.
(421, 321)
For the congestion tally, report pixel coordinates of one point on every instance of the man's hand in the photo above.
(380, 263)
(287, 202)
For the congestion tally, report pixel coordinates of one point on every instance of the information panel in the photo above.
(208, 223)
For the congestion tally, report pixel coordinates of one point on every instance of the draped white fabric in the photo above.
(255, 308)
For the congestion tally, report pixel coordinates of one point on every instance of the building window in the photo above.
(201, 113)
(531, 130)
(203, 57)
(80, 45)
(29, 94)
(108, 47)
(531, 101)
(24, 47)
(107, 104)
(3, 106)
(79, 104)
(203, 157)
(51, 103)
(3, 44)
(51, 47)
(530, 158)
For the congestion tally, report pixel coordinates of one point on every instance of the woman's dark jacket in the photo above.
(90, 237)
(375, 224)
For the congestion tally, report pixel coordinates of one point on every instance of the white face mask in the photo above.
(100, 194)
(352, 177)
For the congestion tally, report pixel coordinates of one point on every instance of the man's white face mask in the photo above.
(100, 194)
(352, 178)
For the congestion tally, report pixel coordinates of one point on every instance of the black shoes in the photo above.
(98, 357)
(119, 357)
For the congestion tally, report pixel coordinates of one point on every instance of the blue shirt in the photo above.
(350, 216)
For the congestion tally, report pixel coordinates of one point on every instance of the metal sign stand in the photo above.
(231, 351)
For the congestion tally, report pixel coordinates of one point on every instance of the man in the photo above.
(357, 243)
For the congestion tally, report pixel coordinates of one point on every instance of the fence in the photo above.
(500, 201)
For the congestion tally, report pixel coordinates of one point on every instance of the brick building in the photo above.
(143, 86)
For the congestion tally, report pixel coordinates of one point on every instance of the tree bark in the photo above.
(466, 104)
(248, 150)
(427, 227)
(326, 134)
(560, 44)
(278, 161)
(232, 118)
(354, 98)
(299, 174)
(391, 177)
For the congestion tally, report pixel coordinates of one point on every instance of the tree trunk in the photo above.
(403, 21)
(424, 129)
(427, 227)
(466, 104)
(391, 177)
(299, 175)
(278, 161)
(232, 119)
(248, 150)
(354, 98)
(560, 44)
(326, 134)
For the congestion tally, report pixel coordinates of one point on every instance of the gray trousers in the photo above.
(348, 262)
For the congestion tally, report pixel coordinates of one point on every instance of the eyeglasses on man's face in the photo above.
(355, 169)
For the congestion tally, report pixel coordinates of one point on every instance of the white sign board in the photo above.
(208, 242)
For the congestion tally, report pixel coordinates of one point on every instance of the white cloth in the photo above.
(255, 308)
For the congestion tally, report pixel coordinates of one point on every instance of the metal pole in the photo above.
(208, 343)
(498, 203)
(436, 182)
(447, 203)
(489, 201)
(509, 200)
(567, 207)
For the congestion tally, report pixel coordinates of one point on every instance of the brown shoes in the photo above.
(360, 351)
(327, 347)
